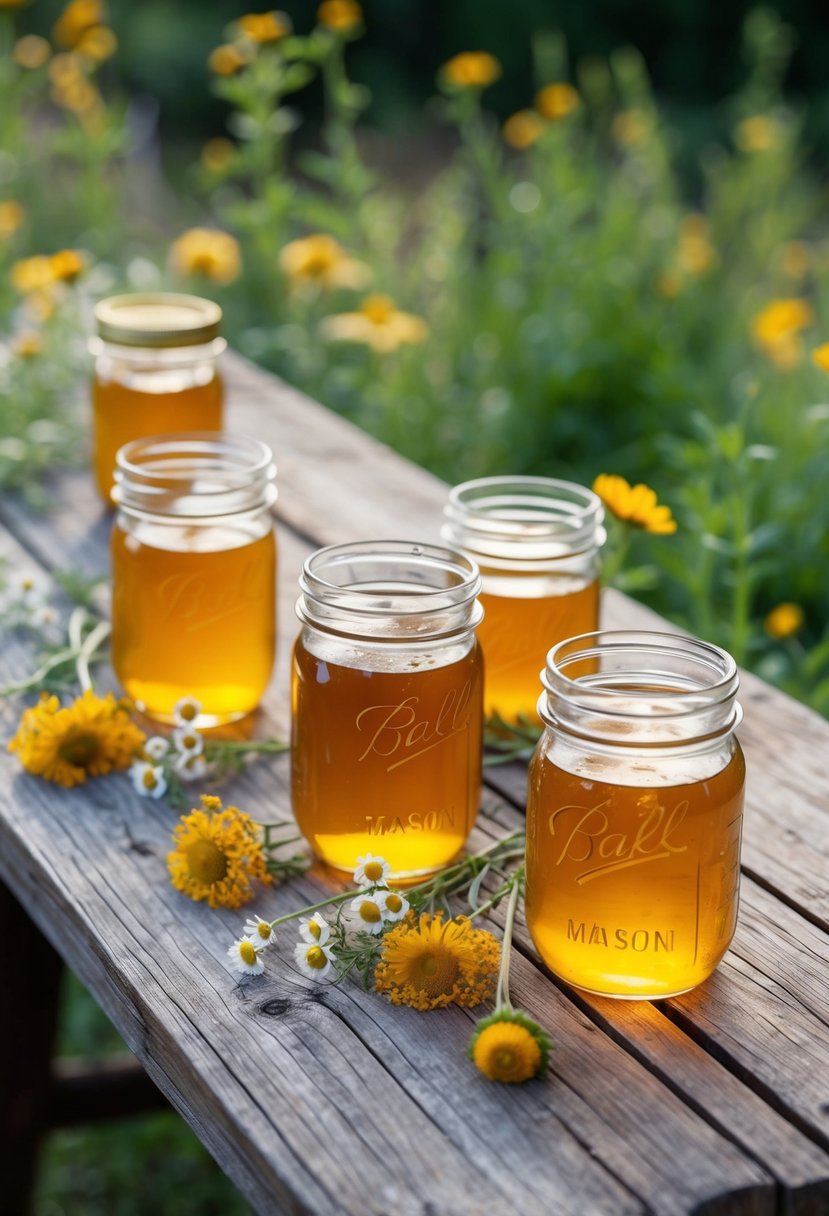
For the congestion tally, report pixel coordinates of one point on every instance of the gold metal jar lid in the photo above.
(157, 318)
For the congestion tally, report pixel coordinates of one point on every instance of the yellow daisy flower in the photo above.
(88, 738)
(227, 59)
(635, 505)
(12, 217)
(208, 252)
(76, 19)
(31, 52)
(97, 43)
(32, 274)
(509, 1047)
(428, 963)
(776, 330)
(523, 129)
(264, 27)
(556, 101)
(784, 621)
(319, 260)
(217, 853)
(339, 15)
(821, 356)
(378, 324)
(471, 70)
(67, 265)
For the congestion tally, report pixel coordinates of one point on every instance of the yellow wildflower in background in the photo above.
(67, 265)
(523, 129)
(28, 345)
(217, 153)
(208, 252)
(556, 101)
(427, 963)
(76, 19)
(776, 330)
(784, 621)
(471, 70)
(217, 854)
(821, 356)
(31, 52)
(12, 217)
(320, 260)
(509, 1047)
(227, 59)
(32, 274)
(378, 324)
(757, 134)
(630, 127)
(695, 253)
(97, 43)
(635, 505)
(88, 738)
(340, 15)
(264, 27)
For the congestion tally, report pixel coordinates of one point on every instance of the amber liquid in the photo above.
(121, 413)
(193, 615)
(632, 890)
(386, 762)
(516, 634)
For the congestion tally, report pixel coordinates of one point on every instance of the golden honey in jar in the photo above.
(387, 705)
(536, 541)
(634, 813)
(155, 372)
(193, 574)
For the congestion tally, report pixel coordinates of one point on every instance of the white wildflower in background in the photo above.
(44, 615)
(315, 961)
(156, 748)
(368, 913)
(314, 929)
(186, 711)
(371, 871)
(259, 931)
(244, 958)
(148, 779)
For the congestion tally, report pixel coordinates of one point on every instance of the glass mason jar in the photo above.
(634, 813)
(387, 704)
(155, 372)
(537, 544)
(193, 573)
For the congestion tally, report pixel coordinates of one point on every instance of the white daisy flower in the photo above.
(368, 911)
(314, 929)
(188, 741)
(148, 779)
(44, 615)
(316, 961)
(371, 871)
(186, 711)
(156, 748)
(244, 957)
(259, 931)
(394, 906)
(29, 588)
(190, 768)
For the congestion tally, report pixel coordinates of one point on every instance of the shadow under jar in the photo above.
(635, 812)
(387, 705)
(155, 372)
(536, 541)
(193, 574)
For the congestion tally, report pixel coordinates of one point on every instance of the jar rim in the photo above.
(157, 319)
(194, 473)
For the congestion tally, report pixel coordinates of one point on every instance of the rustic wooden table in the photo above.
(327, 1100)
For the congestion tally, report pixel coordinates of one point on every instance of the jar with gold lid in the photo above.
(193, 574)
(155, 372)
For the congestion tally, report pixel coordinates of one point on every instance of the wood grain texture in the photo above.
(327, 1100)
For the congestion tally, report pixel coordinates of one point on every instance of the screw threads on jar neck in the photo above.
(626, 689)
(394, 591)
(195, 475)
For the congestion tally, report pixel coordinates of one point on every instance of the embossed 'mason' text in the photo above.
(395, 825)
(402, 732)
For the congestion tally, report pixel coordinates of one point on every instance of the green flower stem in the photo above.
(88, 652)
(323, 903)
(243, 746)
(502, 999)
(82, 651)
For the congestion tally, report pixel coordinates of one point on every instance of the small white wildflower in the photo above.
(393, 905)
(190, 768)
(148, 779)
(156, 748)
(371, 871)
(316, 961)
(29, 588)
(188, 741)
(244, 957)
(369, 912)
(186, 711)
(314, 929)
(44, 615)
(259, 931)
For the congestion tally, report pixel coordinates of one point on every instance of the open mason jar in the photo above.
(634, 813)
(387, 704)
(155, 372)
(193, 574)
(537, 542)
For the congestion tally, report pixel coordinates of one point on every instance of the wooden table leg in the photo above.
(30, 974)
